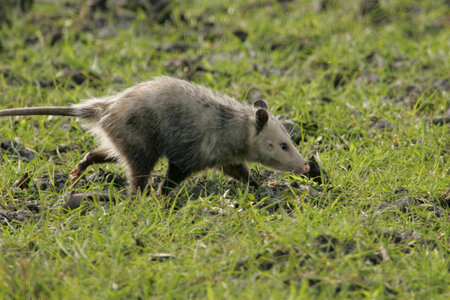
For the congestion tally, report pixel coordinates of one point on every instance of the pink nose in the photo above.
(306, 168)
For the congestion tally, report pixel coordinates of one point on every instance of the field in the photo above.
(362, 85)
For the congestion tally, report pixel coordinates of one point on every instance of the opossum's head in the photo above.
(272, 146)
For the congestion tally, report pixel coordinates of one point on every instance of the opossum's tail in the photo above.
(46, 110)
(92, 110)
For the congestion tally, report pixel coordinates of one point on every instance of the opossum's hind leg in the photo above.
(240, 172)
(93, 157)
(175, 175)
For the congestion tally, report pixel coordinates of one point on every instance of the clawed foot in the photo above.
(75, 174)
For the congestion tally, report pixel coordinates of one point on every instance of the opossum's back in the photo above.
(166, 99)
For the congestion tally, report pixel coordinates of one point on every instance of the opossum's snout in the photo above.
(295, 163)
(303, 168)
(306, 168)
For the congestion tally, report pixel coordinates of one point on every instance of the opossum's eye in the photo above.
(284, 146)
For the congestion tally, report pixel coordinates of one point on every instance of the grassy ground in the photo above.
(367, 84)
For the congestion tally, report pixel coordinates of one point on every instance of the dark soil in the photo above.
(15, 149)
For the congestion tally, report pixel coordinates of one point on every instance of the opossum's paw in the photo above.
(75, 174)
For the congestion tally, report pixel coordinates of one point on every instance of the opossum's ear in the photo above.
(261, 118)
(260, 103)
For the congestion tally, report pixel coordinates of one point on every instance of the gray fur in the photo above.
(194, 127)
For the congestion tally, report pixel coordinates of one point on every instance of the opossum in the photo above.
(193, 126)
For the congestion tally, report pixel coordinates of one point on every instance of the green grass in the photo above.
(227, 244)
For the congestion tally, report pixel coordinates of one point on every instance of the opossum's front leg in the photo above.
(139, 168)
(240, 172)
(94, 157)
(175, 175)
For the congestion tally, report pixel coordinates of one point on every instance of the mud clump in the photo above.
(326, 243)
(14, 148)
(410, 205)
(403, 202)
(102, 177)
(373, 9)
(156, 10)
(316, 173)
(176, 47)
(283, 194)
(406, 239)
(55, 182)
(409, 93)
(267, 259)
(14, 217)
(77, 77)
